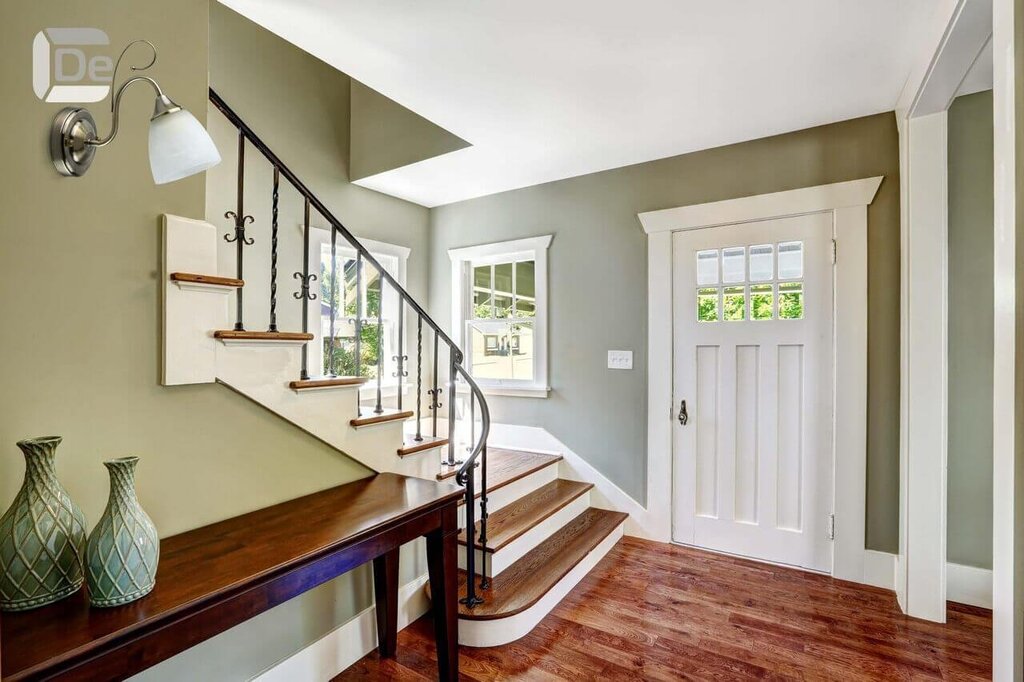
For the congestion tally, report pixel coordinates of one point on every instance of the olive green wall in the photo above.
(971, 207)
(598, 286)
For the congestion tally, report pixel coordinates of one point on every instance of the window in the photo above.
(499, 295)
(757, 286)
(335, 348)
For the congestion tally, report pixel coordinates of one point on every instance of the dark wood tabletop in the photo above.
(219, 564)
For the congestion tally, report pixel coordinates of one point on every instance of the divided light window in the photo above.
(499, 314)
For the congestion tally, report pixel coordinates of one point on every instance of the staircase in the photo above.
(529, 536)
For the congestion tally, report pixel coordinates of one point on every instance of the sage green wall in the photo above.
(598, 286)
(385, 135)
(970, 331)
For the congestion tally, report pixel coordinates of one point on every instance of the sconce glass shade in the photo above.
(179, 146)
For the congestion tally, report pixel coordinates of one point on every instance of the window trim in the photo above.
(463, 259)
(320, 236)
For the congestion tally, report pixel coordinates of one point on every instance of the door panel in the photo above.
(753, 315)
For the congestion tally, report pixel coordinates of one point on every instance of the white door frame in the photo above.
(953, 39)
(848, 202)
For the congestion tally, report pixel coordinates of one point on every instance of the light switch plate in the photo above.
(620, 359)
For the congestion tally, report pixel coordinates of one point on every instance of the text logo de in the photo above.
(71, 65)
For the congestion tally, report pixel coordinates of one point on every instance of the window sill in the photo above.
(527, 391)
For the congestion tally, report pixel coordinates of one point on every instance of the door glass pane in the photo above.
(791, 300)
(707, 305)
(526, 302)
(733, 265)
(761, 302)
(503, 290)
(762, 259)
(707, 267)
(482, 291)
(734, 303)
(791, 260)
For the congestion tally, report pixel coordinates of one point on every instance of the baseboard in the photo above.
(345, 645)
(969, 585)
(880, 569)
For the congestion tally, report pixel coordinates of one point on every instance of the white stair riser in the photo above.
(513, 551)
(507, 494)
(483, 633)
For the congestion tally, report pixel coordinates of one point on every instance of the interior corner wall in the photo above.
(969, 497)
(598, 268)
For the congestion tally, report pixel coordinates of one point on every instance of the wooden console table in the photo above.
(215, 577)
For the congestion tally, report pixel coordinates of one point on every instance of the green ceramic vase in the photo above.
(123, 549)
(42, 535)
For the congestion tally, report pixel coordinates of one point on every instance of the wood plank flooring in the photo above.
(650, 611)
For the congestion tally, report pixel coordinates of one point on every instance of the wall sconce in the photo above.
(179, 146)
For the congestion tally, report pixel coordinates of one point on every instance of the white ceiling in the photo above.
(547, 89)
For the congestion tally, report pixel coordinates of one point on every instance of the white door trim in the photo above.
(848, 202)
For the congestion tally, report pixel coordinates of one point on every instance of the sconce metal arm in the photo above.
(116, 107)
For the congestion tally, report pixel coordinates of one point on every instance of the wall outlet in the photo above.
(620, 359)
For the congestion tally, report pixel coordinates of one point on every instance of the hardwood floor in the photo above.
(660, 612)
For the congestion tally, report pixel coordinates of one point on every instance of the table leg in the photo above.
(385, 588)
(443, 566)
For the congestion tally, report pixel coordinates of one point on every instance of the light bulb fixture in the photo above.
(179, 146)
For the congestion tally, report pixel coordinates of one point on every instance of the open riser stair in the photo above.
(386, 398)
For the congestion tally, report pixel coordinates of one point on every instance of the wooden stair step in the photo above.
(386, 416)
(525, 582)
(411, 446)
(510, 522)
(233, 335)
(325, 382)
(212, 280)
(506, 466)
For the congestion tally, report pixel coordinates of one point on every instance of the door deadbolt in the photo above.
(683, 416)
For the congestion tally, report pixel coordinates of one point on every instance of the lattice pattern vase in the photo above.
(124, 549)
(42, 535)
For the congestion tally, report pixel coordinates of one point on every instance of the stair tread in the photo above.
(411, 446)
(386, 416)
(213, 280)
(262, 336)
(326, 382)
(512, 521)
(525, 582)
(506, 466)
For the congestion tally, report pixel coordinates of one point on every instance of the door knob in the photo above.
(683, 416)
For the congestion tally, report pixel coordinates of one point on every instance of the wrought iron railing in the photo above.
(477, 450)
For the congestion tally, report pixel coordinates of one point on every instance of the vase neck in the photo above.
(122, 480)
(40, 459)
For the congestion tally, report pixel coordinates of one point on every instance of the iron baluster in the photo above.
(419, 379)
(379, 408)
(240, 219)
(334, 300)
(359, 323)
(451, 411)
(470, 600)
(399, 358)
(485, 580)
(273, 251)
(435, 393)
(304, 294)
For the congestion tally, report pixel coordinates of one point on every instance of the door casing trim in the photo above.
(847, 202)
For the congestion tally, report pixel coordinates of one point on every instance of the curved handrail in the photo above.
(464, 475)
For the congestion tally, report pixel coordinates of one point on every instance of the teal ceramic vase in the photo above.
(123, 549)
(42, 535)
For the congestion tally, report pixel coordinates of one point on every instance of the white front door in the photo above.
(753, 349)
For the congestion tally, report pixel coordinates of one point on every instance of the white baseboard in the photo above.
(969, 585)
(880, 569)
(345, 645)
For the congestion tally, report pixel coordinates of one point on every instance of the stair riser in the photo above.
(485, 633)
(513, 551)
(507, 494)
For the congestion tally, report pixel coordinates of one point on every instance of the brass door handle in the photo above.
(683, 416)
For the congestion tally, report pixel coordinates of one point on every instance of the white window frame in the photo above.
(320, 237)
(463, 260)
